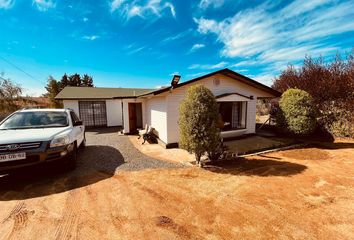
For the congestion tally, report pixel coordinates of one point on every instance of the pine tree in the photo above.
(87, 81)
(53, 88)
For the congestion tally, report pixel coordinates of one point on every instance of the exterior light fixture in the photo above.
(175, 80)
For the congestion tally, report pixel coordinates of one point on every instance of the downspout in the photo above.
(122, 116)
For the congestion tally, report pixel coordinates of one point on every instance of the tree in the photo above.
(87, 81)
(324, 82)
(198, 122)
(296, 113)
(9, 94)
(54, 87)
(64, 81)
(75, 80)
(9, 90)
(331, 86)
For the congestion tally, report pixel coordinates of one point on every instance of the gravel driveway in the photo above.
(106, 154)
(109, 151)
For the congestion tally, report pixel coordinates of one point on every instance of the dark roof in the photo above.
(228, 94)
(113, 93)
(226, 72)
(100, 93)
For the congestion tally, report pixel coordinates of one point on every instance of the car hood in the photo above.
(30, 135)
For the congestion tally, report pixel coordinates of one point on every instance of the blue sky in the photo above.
(142, 43)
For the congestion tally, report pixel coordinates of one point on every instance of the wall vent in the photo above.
(216, 81)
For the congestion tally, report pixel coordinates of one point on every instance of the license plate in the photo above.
(12, 157)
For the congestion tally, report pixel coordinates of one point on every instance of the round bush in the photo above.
(296, 112)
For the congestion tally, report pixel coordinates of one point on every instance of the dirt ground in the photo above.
(296, 194)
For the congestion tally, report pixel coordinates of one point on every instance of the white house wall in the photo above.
(114, 113)
(113, 110)
(72, 104)
(226, 85)
(156, 116)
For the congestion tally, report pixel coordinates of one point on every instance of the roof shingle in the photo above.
(99, 93)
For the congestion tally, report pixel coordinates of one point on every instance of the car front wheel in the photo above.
(72, 160)
(83, 143)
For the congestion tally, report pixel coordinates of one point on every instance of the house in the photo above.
(132, 108)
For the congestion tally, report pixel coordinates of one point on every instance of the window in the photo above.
(233, 115)
(93, 113)
(74, 118)
(36, 119)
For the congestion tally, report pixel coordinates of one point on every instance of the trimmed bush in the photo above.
(343, 125)
(296, 114)
(198, 122)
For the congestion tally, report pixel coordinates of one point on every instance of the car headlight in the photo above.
(59, 141)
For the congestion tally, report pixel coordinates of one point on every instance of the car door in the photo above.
(78, 130)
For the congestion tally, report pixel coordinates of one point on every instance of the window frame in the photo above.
(246, 109)
(74, 118)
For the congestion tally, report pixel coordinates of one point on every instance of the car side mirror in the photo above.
(78, 123)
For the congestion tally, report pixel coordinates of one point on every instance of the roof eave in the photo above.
(226, 72)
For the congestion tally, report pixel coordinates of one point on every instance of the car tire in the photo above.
(72, 161)
(83, 143)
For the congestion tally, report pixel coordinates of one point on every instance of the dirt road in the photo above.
(295, 194)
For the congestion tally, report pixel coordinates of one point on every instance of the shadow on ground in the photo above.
(335, 145)
(105, 130)
(256, 167)
(95, 164)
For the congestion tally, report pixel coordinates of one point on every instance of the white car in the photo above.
(34, 136)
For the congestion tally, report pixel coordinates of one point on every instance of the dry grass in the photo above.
(296, 194)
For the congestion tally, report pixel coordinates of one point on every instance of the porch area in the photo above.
(244, 145)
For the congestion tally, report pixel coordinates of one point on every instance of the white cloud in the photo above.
(162, 86)
(44, 5)
(246, 63)
(174, 73)
(241, 70)
(301, 6)
(91, 37)
(6, 4)
(135, 11)
(193, 75)
(135, 50)
(205, 26)
(177, 36)
(208, 66)
(265, 78)
(197, 46)
(171, 7)
(210, 3)
(115, 4)
(277, 36)
(142, 9)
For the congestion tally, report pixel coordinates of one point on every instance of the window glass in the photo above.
(21, 120)
(232, 115)
(74, 118)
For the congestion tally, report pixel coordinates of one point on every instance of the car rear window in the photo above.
(21, 120)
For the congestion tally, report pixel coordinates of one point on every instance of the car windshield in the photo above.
(23, 120)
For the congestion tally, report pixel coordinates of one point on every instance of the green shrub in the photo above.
(343, 125)
(296, 114)
(198, 122)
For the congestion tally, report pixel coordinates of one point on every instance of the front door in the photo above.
(135, 117)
